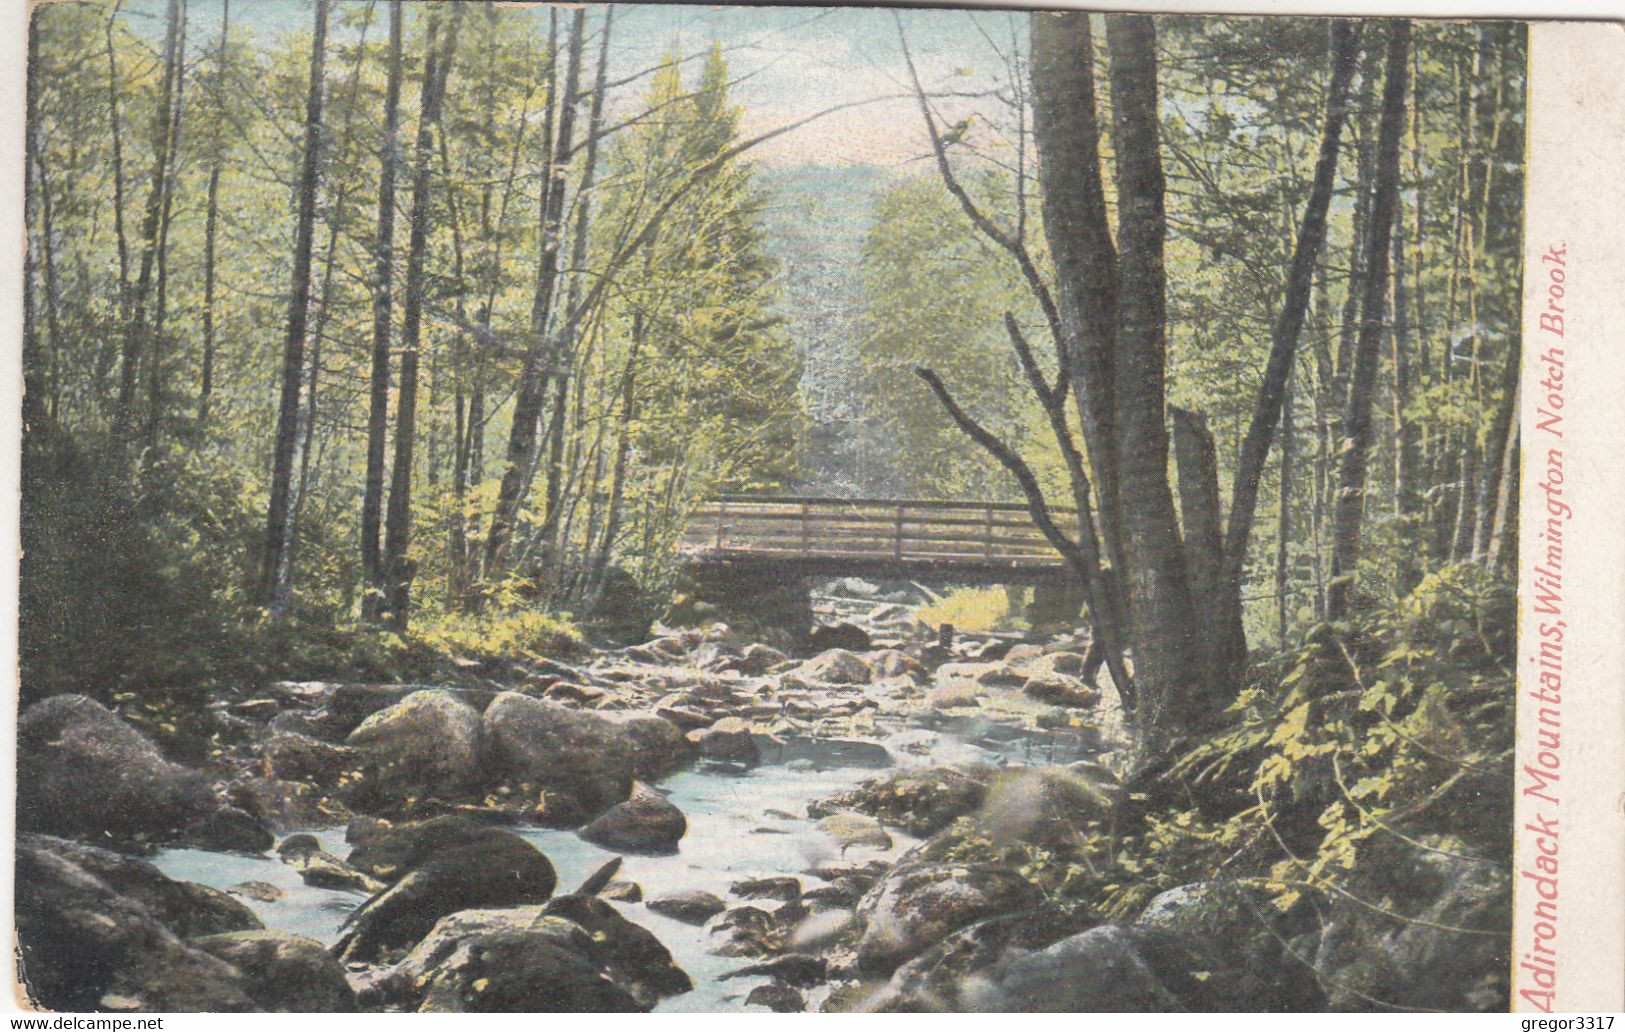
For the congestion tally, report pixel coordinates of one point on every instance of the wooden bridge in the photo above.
(967, 542)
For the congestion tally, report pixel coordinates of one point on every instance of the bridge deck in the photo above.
(854, 536)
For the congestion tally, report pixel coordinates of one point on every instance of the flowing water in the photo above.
(742, 823)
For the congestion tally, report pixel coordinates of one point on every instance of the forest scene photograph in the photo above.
(651, 507)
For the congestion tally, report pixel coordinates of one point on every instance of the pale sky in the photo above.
(793, 61)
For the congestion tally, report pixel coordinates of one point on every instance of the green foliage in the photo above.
(934, 294)
(498, 635)
(123, 587)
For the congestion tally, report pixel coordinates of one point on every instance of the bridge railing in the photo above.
(997, 533)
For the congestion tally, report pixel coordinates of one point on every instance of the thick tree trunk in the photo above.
(1066, 129)
(383, 301)
(275, 573)
(1173, 664)
(533, 375)
(1215, 598)
(1350, 504)
(397, 566)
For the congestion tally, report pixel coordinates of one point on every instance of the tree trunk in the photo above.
(573, 305)
(1500, 455)
(275, 573)
(1255, 447)
(115, 125)
(135, 328)
(1283, 533)
(40, 363)
(1215, 598)
(1405, 447)
(397, 566)
(1066, 129)
(623, 450)
(155, 363)
(533, 376)
(1172, 658)
(383, 300)
(1503, 546)
(211, 220)
(1350, 504)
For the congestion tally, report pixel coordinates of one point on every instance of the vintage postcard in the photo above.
(659, 507)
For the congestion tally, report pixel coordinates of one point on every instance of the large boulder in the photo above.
(728, 740)
(1102, 969)
(230, 830)
(692, 906)
(185, 908)
(918, 903)
(534, 964)
(439, 866)
(889, 663)
(290, 756)
(637, 960)
(84, 773)
(1242, 938)
(1060, 690)
(938, 978)
(85, 946)
(646, 823)
(576, 953)
(425, 745)
(920, 801)
(591, 758)
(282, 972)
(757, 659)
(347, 705)
(1446, 950)
(835, 666)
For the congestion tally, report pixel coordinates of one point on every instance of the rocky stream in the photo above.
(698, 822)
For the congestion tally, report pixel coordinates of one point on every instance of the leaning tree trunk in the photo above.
(383, 300)
(1350, 503)
(1226, 606)
(532, 389)
(275, 574)
(397, 566)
